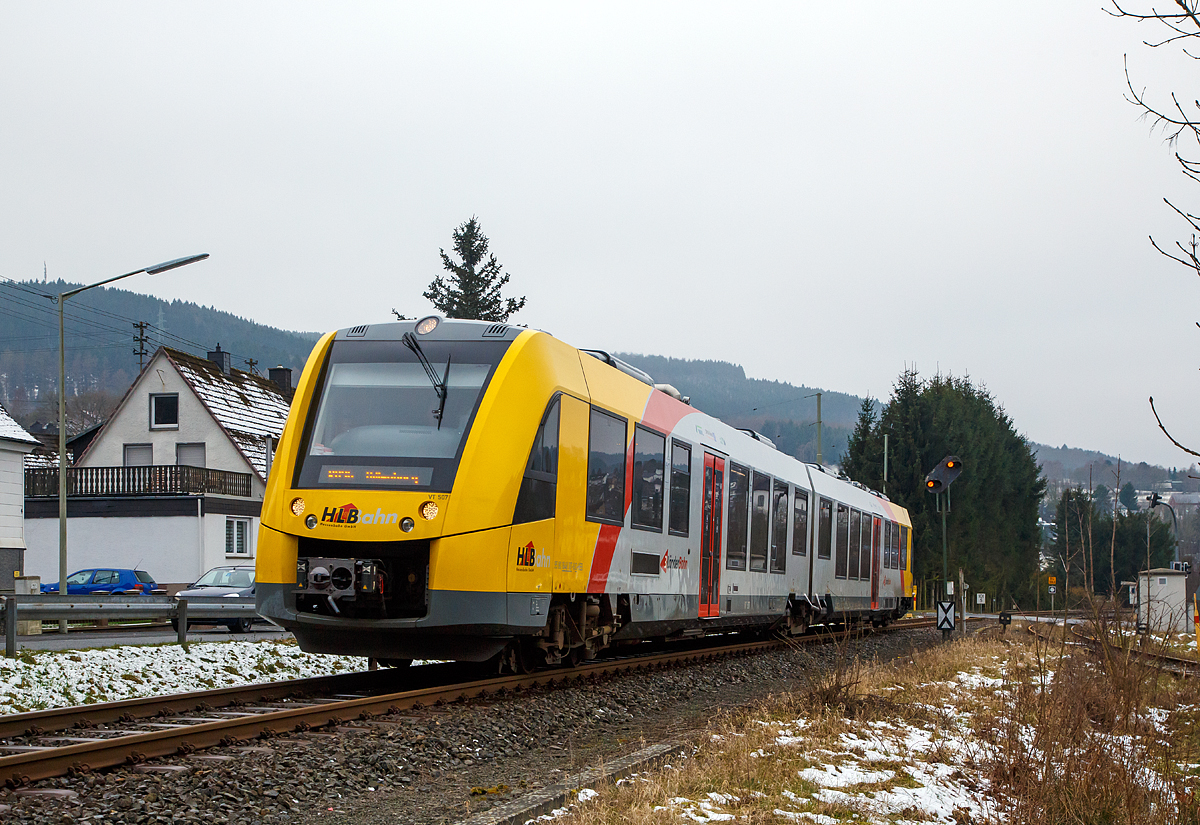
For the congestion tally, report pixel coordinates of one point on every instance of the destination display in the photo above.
(370, 474)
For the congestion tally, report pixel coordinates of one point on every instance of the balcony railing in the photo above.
(156, 479)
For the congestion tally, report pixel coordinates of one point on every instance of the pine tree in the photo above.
(860, 462)
(472, 290)
(993, 523)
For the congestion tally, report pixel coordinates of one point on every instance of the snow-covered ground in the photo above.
(39, 680)
(923, 753)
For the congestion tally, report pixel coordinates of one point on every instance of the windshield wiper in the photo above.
(439, 386)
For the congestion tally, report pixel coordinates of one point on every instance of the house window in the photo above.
(190, 454)
(237, 537)
(138, 455)
(164, 411)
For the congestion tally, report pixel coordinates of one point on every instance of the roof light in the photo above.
(427, 324)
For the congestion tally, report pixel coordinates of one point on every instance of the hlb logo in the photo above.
(528, 558)
(673, 562)
(346, 514)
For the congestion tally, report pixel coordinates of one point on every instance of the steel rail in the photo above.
(148, 707)
(1177, 665)
(22, 768)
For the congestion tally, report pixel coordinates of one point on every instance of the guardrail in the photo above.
(52, 607)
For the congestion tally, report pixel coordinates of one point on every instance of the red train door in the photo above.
(710, 536)
(875, 571)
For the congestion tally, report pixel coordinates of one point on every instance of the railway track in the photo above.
(1175, 665)
(44, 744)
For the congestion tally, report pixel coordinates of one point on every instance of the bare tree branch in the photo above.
(1167, 434)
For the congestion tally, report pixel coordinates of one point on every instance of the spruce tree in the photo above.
(472, 289)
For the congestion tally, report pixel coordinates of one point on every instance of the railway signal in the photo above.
(938, 482)
(943, 475)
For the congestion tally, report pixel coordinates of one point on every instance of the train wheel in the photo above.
(574, 658)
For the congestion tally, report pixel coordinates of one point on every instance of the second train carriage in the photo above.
(462, 490)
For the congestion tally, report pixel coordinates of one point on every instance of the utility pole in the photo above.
(885, 458)
(140, 339)
(251, 363)
(820, 457)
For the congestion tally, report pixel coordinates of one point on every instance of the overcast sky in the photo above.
(821, 193)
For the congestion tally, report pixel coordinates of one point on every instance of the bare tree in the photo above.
(1179, 27)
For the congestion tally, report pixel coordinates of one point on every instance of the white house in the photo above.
(173, 483)
(15, 444)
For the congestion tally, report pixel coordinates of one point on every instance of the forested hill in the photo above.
(101, 364)
(100, 339)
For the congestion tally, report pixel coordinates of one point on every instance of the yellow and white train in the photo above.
(464, 490)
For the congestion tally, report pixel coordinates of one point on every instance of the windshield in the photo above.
(226, 577)
(380, 421)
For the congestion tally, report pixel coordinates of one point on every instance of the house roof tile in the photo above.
(12, 431)
(250, 408)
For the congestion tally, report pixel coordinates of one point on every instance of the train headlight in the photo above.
(428, 324)
(407, 524)
(428, 511)
(298, 506)
(311, 522)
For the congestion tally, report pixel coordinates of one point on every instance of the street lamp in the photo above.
(62, 410)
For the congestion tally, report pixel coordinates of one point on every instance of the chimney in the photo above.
(220, 359)
(281, 377)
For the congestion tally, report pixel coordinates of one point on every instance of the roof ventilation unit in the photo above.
(496, 331)
(617, 363)
(674, 393)
(357, 332)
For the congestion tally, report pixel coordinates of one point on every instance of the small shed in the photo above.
(1162, 604)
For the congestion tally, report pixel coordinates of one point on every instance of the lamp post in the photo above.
(62, 410)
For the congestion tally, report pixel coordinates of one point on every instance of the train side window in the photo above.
(825, 530)
(739, 517)
(843, 540)
(535, 501)
(779, 525)
(681, 488)
(855, 544)
(606, 468)
(800, 527)
(649, 459)
(896, 545)
(869, 537)
(887, 544)
(760, 521)
(903, 547)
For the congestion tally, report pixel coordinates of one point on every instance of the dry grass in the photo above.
(975, 731)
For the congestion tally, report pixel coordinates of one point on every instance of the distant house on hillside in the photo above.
(174, 480)
(15, 444)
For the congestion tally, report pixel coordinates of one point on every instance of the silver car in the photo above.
(230, 580)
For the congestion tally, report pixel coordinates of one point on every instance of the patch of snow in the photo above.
(53, 679)
(834, 776)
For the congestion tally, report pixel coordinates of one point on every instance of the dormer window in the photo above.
(164, 411)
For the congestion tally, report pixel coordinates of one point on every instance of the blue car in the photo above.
(103, 581)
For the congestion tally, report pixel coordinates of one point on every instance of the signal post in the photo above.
(938, 482)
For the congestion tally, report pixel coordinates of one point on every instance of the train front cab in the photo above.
(462, 583)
